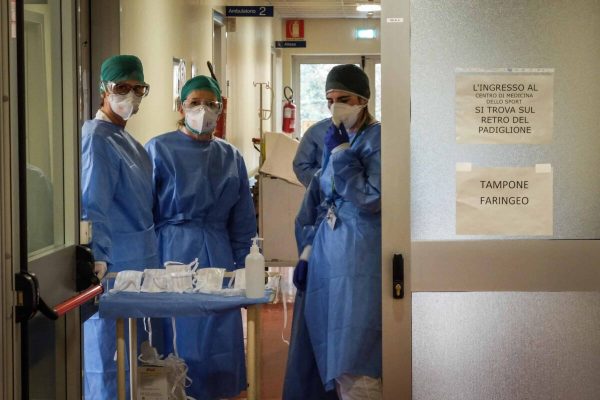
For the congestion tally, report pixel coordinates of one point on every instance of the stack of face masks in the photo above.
(180, 278)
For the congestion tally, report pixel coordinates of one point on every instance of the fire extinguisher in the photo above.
(220, 129)
(289, 111)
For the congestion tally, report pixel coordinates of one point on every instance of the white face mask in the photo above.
(201, 120)
(181, 282)
(124, 105)
(155, 280)
(240, 278)
(345, 113)
(207, 279)
(127, 281)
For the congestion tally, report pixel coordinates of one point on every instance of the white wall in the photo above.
(156, 31)
(325, 37)
(249, 62)
(331, 36)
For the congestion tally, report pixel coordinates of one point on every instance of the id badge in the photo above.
(331, 217)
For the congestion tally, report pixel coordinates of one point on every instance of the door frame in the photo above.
(9, 239)
(395, 178)
(12, 240)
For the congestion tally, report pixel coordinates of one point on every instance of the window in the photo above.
(310, 73)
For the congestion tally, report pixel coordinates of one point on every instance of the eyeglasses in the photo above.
(214, 106)
(124, 88)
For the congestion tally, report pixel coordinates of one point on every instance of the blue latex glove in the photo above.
(336, 136)
(300, 273)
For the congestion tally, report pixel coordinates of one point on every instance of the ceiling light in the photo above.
(369, 7)
(366, 33)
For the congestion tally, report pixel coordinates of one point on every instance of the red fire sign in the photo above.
(294, 29)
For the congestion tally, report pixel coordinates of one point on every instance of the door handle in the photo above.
(398, 276)
(29, 301)
(28, 295)
(84, 276)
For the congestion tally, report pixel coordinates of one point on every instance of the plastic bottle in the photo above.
(255, 272)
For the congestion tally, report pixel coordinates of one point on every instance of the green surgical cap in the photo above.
(200, 82)
(122, 68)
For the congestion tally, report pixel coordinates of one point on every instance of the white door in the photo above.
(489, 317)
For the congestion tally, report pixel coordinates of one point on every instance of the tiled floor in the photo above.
(273, 350)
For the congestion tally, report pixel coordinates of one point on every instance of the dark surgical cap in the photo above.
(349, 78)
(200, 82)
(122, 68)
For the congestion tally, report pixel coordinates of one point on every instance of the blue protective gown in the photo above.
(203, 209)
(116, 195)
(302, 380)
(310, 151)
(343, 294)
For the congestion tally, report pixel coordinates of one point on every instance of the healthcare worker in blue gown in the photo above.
(338, 231)
(309, 154)
(203, 209)
(116, 185)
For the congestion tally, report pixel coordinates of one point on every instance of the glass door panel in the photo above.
(44, 165)
(489, 316)
(444, 38)
(47, 134)
(313, 105)
(521, 340)
(43, 114)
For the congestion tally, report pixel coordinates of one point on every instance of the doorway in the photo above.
(309, 75)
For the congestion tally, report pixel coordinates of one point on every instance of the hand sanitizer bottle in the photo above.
(255, 272)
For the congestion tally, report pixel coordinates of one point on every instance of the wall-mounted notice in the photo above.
(504, 201)
(513, 105)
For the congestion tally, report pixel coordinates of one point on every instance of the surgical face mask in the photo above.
(124, 105)
(207, 279)
(201, 120)
(174, 266)
(240, 278)
(127, 281)
(345, 113)
(181, 282)
(155, 280)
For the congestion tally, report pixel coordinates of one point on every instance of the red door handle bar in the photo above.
(78, 300)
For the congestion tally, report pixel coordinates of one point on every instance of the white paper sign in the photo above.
(504, 106)
(504, 201)
(152, 383)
